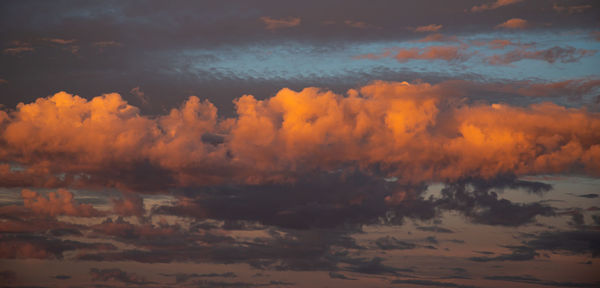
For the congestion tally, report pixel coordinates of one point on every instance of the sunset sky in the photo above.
(300, 143)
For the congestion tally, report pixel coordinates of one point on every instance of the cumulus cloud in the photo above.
(514, 23)
(494, 5)
(129, 205)
(58, 203)
(273, 24)
(416, 132)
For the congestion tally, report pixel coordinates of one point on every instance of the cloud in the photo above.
(429, 28)
(497, 44)
(519, 253)
(61, 277)
(24, 246)
(569, 242)
(335, 275)
(273, 24)
(430, 283)
(532, 280)
(430, 53)
(590, 196)
(130, 232)
(437, 37)
(130, 205)
(514, 23)
(373, 266)
(573, 88)
(106, 44)
(17, 50)
(357, 24)
(391, 243)
(446, 53)
(139, 94)
(483, 205)
(280, 138)
(58, 203)
(184, 277)
(573, 9)
(435, 229)
(566, 54)
(8, 276)
(494, 5)
(116, 274)
(570, 89)
(60, 41)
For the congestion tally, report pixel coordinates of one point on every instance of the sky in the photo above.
(346, 143)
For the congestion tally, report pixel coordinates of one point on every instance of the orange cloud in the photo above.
(514, 23)
(491, 6)
(447, 53)
(274, 24)
(415, 132)
(130, 205)
(17, 50)
(438, 38)
(58, 203)
(357, 24)
(60, 41)
(428, 28)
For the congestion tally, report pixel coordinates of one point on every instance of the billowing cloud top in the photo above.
(415, 132)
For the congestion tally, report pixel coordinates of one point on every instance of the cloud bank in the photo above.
(415, 132)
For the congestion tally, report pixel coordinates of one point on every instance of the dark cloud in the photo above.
(373, 266)
(519, 253)
(429, 283)
(391, 243)
(315, 201)
(210, 284)
(435, 229)
(184, 277)
(533, 280)
(8, 276)
(118, 275)
(27, 246)
(570, 242)
(476, 200)
(551, 55)
(335, 275)
(62, 277)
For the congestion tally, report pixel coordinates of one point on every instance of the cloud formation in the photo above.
(514, 23)
(416, 132)
(566, 54)
(494, 5)
(58, 203)
(274, 24)
(429, 28)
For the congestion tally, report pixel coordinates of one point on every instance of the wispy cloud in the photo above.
(273, 24)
